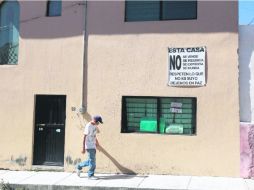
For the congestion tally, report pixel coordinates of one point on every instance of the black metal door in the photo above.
(49, 130)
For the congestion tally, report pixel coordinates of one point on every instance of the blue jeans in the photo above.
(91, 162)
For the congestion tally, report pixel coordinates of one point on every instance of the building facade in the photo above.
(246, 76)
(42, 78)
(163, 75)
(128, 57)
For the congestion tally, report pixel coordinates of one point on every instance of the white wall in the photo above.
(246, 75)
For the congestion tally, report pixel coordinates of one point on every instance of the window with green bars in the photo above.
(164, 115)
(9, 32)
(156, 10)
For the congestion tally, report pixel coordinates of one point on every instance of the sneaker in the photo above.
(78, 172)
(93, 178)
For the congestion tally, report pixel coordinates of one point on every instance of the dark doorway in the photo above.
(49, 130)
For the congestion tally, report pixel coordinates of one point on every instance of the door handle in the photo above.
(41, 124)
(58, 130)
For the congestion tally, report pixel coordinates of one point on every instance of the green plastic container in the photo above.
(149, 124)
(162, 125)
(175, 129)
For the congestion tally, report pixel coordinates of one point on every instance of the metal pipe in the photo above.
(83, 108)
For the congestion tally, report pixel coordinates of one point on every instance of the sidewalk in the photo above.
(32, 180)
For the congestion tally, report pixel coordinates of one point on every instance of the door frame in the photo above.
(63, 98)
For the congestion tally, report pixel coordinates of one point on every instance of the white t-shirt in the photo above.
(90, 132)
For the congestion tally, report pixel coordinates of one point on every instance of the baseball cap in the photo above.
(97, 118)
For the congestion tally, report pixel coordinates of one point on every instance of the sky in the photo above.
(246, 12)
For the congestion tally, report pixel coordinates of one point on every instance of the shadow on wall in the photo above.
(82, 119)
(87, 116)
(123, 169)
(34, 22)
(107, 18)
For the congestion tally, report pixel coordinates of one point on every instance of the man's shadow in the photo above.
(126, 172)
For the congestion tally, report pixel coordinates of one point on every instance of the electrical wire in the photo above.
(63, 10)
(251, 21)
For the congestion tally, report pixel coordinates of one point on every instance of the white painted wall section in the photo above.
(246, 69)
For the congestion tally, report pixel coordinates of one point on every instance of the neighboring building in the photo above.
(163, 75)
(246, 78)
(246, 47)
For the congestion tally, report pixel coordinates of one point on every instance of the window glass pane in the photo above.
(141, 114)
(54, 8)
(178, 115)
(179, 10)
(142, 10)
(9, 32)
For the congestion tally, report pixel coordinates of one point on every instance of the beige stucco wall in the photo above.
(123, 59)
(130, 58)
(50, 62)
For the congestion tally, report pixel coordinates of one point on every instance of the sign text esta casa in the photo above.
(187, 66)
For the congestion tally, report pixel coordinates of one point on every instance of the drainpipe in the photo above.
(83, 108)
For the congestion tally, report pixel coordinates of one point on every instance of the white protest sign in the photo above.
(176, 110)
(176, 104)
(187, 66)
(176, 107)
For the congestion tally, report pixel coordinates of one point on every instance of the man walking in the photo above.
(90, 143)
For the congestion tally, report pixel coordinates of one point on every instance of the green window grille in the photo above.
(54, 8)
(9, 32)
(160, 10)
(164, 115)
